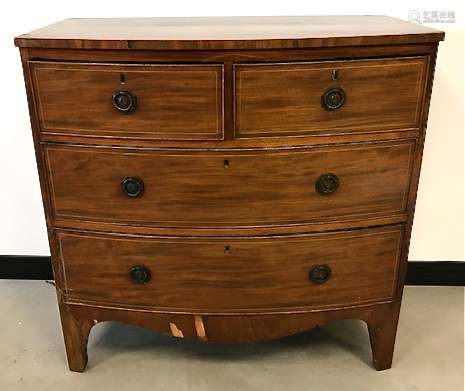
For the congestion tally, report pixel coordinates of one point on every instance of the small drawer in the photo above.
(235, 189)
(329, 97)
(233, 275)
(136, 101)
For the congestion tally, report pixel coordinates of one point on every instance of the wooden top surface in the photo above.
(278, 32)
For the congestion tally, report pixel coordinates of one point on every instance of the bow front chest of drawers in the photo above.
(229, 179)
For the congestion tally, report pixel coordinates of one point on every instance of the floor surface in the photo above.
(428, 354)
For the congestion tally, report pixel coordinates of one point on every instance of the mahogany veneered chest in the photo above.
(229, 179)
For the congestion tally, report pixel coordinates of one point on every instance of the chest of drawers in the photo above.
(229, 179)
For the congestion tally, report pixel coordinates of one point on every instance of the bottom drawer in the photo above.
(230, 274)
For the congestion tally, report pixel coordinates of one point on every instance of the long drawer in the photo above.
(230, 274)
(330, 96)
(170, 101)
(226, 189)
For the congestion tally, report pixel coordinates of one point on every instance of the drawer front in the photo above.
(308, 271)
(288, 99)
(202, 189)
(139, 101)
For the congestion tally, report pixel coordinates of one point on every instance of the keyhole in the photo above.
(226, 163)
(335, 74)
(122, 78)
(227, 249)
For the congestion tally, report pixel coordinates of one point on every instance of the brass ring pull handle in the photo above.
(124, 102)
(333, 99)
(327, 184)
(139, 274)
(133, 187)
(320, 274)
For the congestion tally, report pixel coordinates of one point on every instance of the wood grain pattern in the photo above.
(173, 101)
(247, 328)
(75, 333)
(285, 99)
(416, 170)
(233, 55)
(382, 327)
(257, 188)
(228, 57)
(233, 275)
(262, 209)
(362, 221)
(314, 139)
(276, 32)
